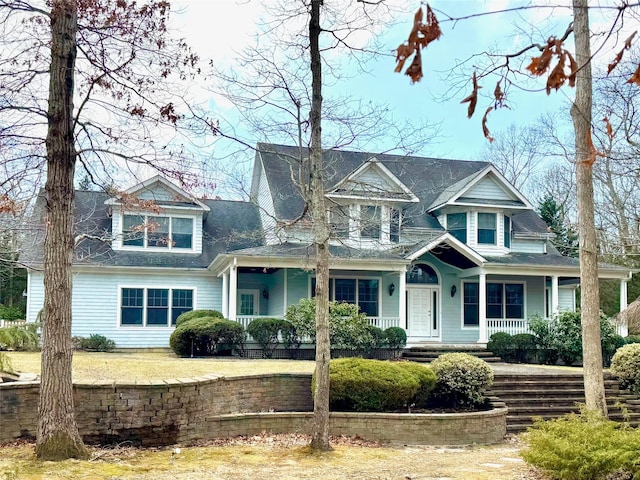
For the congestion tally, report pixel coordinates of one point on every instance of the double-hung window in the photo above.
(154, 231)
(487, 228)
(153, 307)
(507, 232)
(471, 310)
(503, 300)
(370, 222)
(457, 225)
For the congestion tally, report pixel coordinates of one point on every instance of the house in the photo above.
(448, 250)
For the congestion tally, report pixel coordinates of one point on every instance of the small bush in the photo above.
(206, 336)
(364, 385)
(427, 382)
(378, 338)
(632, 339)
(186, 316)
(267, 332)
(96, 343)
(525, 347)
(20, 337)
(461, 380)
(583, 447)
(502, 344)
(610, 346)
(12, 312)
(396, 338)
(625, 365)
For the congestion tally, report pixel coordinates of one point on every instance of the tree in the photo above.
(106, 67)
(565, 237)
(578, 75)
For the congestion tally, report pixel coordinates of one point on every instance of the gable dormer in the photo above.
(157, 216)
(478, 209)
(366, 207)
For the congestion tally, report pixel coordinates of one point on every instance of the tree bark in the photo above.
(318, 212)
(581, 114)
(58, 437)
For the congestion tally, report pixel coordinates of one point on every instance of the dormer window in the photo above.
(164, 232)
(457, 226)
(507, 232)
(486, 228)
(370, 222)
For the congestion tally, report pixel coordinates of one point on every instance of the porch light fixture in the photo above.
(454, 289)
(392, 288)
(265, 294)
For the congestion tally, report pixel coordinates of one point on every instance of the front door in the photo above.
(422, 305)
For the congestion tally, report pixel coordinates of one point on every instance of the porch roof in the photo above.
(302, 255)
(552, 264)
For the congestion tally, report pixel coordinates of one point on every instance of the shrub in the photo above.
(20, 337)
(583, 447)
(461, 380)
(190, 315)
(348, 327)
(396, 338)
(502, 344)
(610, 346)
(568, 337)
(12, 312)
(96, 343)
(378, 338)
(632, 339)
(525, 347)
(267, 332)
(206, 336)
(427, 382)
(625, 365)
(364, 385)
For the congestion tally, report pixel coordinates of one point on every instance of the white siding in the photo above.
(267, 210)
(527, 246)
(567, 299)
(95, 307)
(489, 189)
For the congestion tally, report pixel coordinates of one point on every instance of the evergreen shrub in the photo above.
(206, 336)
(190, 315)
(268, 331)
(12, 312)
(525, 347)
(96, 343)
(396, 338)
(583, 447)
(625, 365)
(364, 385)
(461, 380)
(502, 345)
(632, 339)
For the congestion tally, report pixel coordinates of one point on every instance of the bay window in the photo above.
(487, 228)
(457, 226)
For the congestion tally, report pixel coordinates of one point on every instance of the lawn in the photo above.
(128, 367)
(277, 457)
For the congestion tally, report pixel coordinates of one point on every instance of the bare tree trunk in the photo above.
(320, 435)
(58, 437)
(585, 157)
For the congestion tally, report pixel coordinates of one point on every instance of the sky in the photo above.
(218, 29)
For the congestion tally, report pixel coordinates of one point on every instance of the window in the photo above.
(370, 222)
(422, 273)
(471, 299)
(504, 300)
(339, 218)
(507, 232)
(487, 228)
(247, 304)
(360, 291)
(394, 227)
(153, 307)
(457, 225)
(157, 232)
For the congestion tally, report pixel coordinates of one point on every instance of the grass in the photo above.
(275, 457)
(128, 367)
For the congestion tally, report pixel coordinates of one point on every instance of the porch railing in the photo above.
(508, 325)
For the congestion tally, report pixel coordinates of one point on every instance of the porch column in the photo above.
(402, 308)
(225, 294)
(555, 300)
(482, 308)
(623, 329)
(233, 292)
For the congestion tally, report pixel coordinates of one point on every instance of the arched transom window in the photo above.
(422, 273)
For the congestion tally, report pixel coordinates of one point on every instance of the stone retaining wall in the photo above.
(188, 410)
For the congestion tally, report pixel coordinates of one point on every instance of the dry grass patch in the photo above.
(277, 457)
(128, 367)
